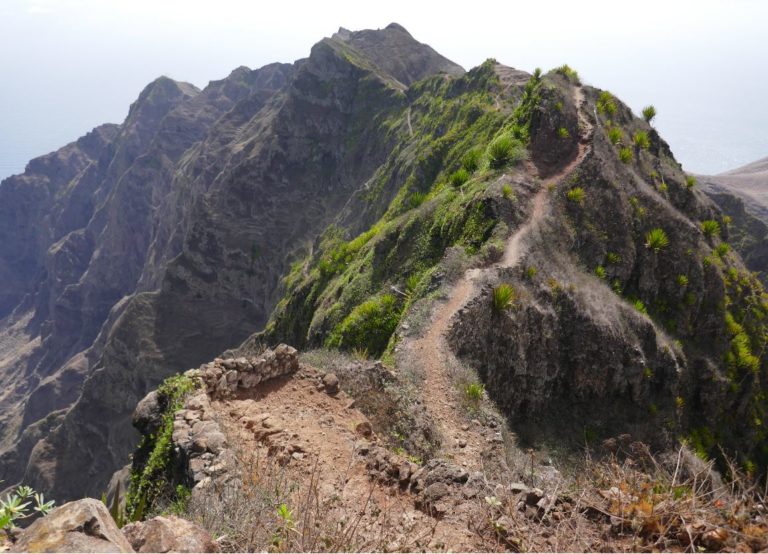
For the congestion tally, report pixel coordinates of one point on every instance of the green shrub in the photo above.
(639, 306)
(505, 150)
(576, 195)
(416, 199)
(656, 239)
(506, 192)
(690, 181)
(617, 287)
(459, 177)
(612, 258)
(16, 506)
(606, 103)
(710, 228)
(649, 112)
(563, 133)
(369, 326)
(614, 135)
(600, 272)
(625, 155)
(471, 160)
(473, 392)
(503, 297)
(641, 140)
(153, 480)
(568, 72)
(682, 280)
(530, 272)
(722, 249)
(411, 284)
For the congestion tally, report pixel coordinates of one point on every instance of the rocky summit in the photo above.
(412, 296)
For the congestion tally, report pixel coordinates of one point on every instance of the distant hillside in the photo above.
(742, 194)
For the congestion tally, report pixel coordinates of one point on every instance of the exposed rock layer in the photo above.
(149, 247)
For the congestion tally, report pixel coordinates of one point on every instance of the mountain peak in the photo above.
(397, 53)
(398, 27)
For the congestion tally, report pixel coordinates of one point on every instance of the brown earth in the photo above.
(318, 439)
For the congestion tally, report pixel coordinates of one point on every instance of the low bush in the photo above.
(459, 177)
(682, 280)
(710, 228)
(656, 239)
(639, 306)
(503, 297)
(368, 326)
(690, 181)
(16, 507)
(471, 161)
(576, 195)
(606, 104)
(563, 133)
(625, 155)
(473, 393)
(615, 135)
(569, 73)
(600, 272)
(641, 140)
(505, 150)
(649, 112)
(416, 199)
(722, 249)
(506, 192)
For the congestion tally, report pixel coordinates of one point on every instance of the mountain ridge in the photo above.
(342, 174)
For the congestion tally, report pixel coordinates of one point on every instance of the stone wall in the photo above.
(202, 454)
(223, 377)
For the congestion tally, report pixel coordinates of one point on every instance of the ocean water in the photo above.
(710, 129)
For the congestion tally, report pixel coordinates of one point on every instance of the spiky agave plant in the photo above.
(503, 297)
(710, 228)
(656, 239)
(649, 112)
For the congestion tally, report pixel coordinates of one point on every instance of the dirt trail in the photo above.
(291, 436)
(432, 350)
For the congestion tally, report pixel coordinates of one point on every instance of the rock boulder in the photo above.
(80, 526)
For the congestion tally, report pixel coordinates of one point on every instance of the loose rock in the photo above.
(169, 534)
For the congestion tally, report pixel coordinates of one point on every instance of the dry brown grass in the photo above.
(267, 510)
(633, 505)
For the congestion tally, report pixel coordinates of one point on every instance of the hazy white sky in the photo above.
(68, 65)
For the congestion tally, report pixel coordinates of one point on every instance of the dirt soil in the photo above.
(313, 435)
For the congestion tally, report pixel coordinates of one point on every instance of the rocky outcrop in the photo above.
(149, 247)
(81, 526)
(168, 534)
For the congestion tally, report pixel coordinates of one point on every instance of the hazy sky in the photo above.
(68, 65)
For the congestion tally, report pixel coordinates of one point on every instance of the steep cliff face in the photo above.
(149, 247)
